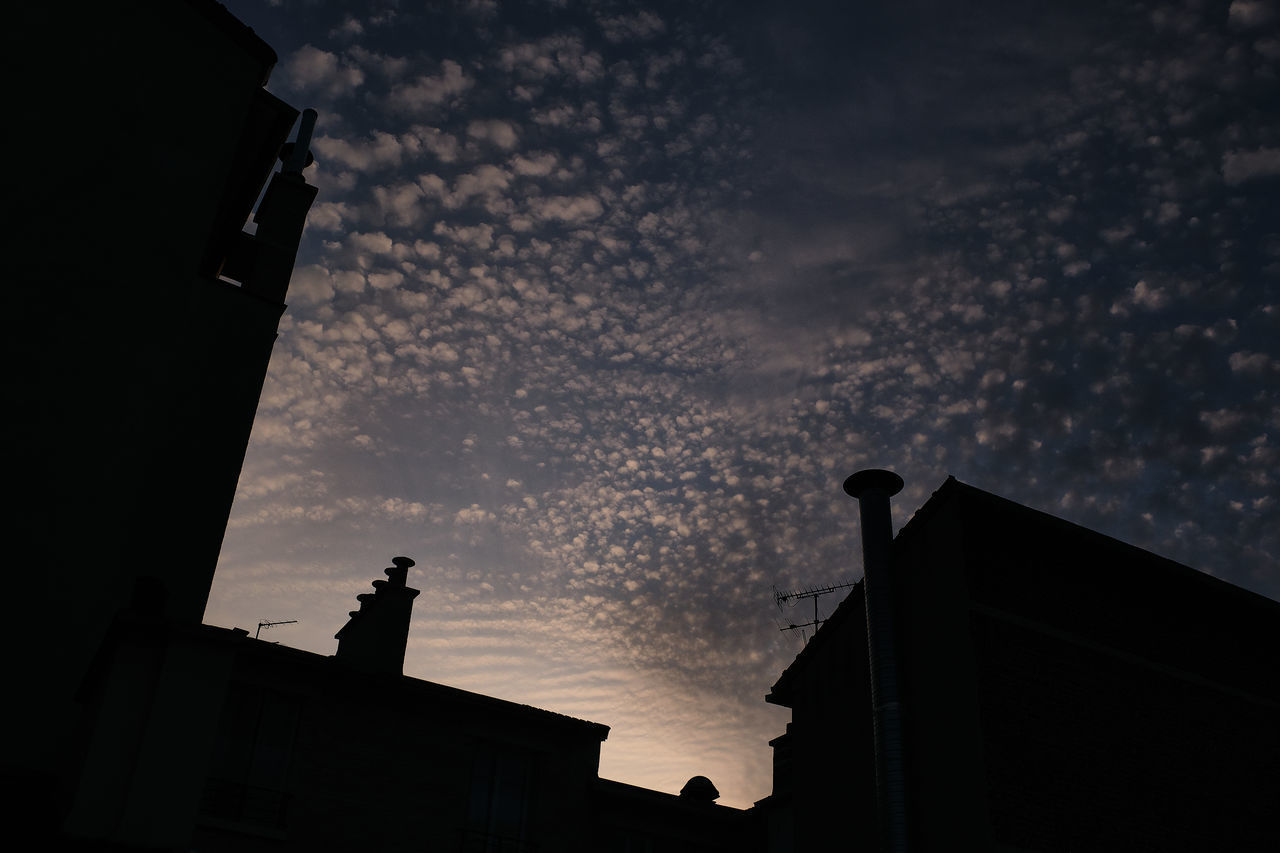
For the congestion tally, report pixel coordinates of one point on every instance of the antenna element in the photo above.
(792, 597)
(262, 625)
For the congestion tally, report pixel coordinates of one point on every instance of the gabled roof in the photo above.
(851, 607)
(995, 525)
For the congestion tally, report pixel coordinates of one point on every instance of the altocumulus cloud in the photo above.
(593, 316)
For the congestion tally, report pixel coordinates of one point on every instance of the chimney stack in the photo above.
(873, 488)
(374, 638)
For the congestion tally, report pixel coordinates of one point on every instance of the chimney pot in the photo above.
(376, 634)
(398, 574)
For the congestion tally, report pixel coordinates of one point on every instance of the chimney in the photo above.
(263, 261)
(873, 488)
(375, 636)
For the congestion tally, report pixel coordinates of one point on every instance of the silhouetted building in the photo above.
(1059, 690)
(252, 745)
(204, 738)
(141, 320)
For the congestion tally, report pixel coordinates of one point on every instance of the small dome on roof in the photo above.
(700, 790)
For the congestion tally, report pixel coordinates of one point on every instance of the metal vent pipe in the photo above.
(873, 488)
(300, 153)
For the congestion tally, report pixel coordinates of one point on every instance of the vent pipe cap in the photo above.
(872, 479)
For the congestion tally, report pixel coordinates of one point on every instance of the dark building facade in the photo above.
(630, 819)
(142, 316)
(203, 738)
(1059, 690)
(308, 753)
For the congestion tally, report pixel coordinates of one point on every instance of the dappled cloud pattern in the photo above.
(597, 308)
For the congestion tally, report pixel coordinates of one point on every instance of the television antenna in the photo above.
(265, 624)
(791, 598)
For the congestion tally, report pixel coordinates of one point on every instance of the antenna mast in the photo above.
(792, 598)
(262, 625)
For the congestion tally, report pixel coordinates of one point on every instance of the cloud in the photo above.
(310, 285)
(386, 281)
(638, 27)
(441, 144)
(1248, 14)
(349, 28)
(1241, 166)
(500, 133)
(483, 9)
(423, 92)
(328, 216)
(476, 236)
(381, 150)
(562, 56)
(1252, 363)
(313, 69)
(400, 204)
(486, 182)
(314, 284)
(534, 164)
(389, 67)
(568, 208)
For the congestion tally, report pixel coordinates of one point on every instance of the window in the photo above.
(248, 774)
(497, 814)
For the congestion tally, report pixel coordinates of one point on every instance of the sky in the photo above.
(600, 302)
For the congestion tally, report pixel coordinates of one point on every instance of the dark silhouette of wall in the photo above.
(311, 753)
(629, 819)
(1061, 691)
(142, 137)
